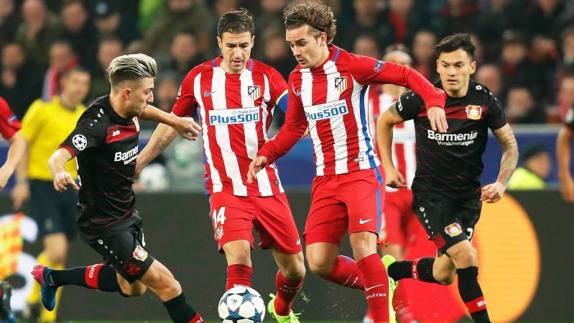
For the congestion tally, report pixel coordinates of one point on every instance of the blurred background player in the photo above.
(45, 125)
(327, 94)
(399, 220)
(534, 168)
(9, 129)
(563, 153)
(105, 140)
(447, 197)
(236, 97)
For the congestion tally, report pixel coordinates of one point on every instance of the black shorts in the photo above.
(124, 249)
(447, 223)
(54, 212)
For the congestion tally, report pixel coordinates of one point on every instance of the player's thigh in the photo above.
(158, 277)
(125, 251)
(364, 196)
(327, 218)
(444, 269)
(276, 225)
(441, 221)
(128, 289)
(232, 218)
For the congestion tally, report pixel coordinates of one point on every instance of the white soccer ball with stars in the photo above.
(241, 304)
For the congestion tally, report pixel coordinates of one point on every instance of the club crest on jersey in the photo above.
(473, 112)
(254, 92)
(341, 83)
(219, 232)
(453, 229)
(378, 66)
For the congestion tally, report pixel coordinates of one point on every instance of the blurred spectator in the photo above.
(567, 46)
(521, 107)
(534, 169)
(110, 47)
(489, 76)
(498, 16)
(188, 15)
(368, 17)
(37, 31)
(62, 58)
(515, 66)
(110, 22)
(9, 20)
(546, 17)
(566, 95)
(270, 18)
(183, 55)
(401, 23)
(457, 16)
(423, 53)
(366, 44)
(148, 11)
(276, 52)
(80, 32)
(21, 81)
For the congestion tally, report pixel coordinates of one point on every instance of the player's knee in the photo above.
(465, 258)
(320, 266)
(296, 271)
(173, 287)
(238, 255)
(444, 277)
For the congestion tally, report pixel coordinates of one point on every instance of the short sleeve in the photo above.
(185, 103)
(495, 118)
(9, 124)
(90, 132)
(409, 105)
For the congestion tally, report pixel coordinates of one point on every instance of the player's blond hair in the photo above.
(131, 67)
(318, 16)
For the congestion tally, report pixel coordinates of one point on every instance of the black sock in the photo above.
(180, 311)
(101, 277)
(471, 294)
(404, 269)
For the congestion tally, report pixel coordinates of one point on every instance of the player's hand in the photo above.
(492, 193)
(437, 118)
(188, 128)
(567, 189)
(20, 194)
(63, 180)
(394, 178)
(256, 165)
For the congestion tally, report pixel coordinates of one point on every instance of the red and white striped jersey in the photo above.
(404, 141)
(235, 111)
(332, 101)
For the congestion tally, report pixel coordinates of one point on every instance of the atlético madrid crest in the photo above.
(341, 83)
(473, 112)
(254, 92)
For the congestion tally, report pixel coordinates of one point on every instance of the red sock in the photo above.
(346, 273)
(238, 275)
(287, 289)
(376, 286)
(401, 304)
(197, 319)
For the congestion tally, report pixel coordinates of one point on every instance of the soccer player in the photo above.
(44, 126)
(236, 97)
(446, 188)
(105, 141)
(328, 94)
(9, 129)
(563, 153)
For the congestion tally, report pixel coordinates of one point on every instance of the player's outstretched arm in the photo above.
(493, 192)
(162, 136)
(563, 153)
(186, 127)
(15, 153)
(385, 124)
(57, 163)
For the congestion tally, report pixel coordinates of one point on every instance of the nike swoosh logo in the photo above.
(361, 221)
(207, 93)
(369, 288)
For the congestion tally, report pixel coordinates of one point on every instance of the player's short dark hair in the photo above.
(457, 41)
(318, 16)
(236, 22)
(131, 67)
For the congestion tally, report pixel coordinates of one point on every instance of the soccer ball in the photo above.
(241, 304)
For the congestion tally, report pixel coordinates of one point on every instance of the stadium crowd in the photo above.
(525, 47)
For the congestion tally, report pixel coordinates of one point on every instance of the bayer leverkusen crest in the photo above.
(473, 112)
(254, 92)
(341, 83)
